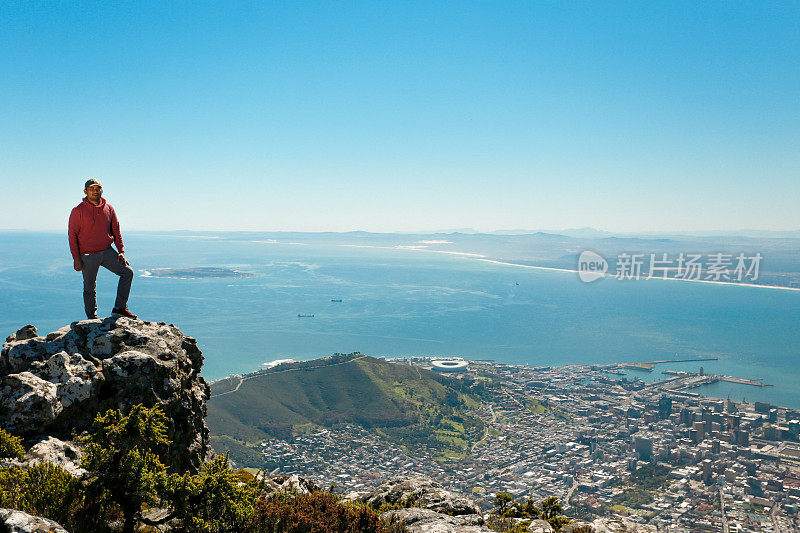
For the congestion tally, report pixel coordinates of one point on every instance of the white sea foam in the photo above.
(612, 275)
(273, 241)
(416, 248)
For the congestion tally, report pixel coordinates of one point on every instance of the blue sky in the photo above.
(403, 116)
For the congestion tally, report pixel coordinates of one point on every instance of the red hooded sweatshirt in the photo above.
(92, 228)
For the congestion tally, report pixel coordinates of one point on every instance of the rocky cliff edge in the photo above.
(53, 386)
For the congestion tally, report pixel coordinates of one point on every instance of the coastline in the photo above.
(484, 258)
(608, 275)
(269, 367)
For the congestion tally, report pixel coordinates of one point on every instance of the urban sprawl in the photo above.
(603, 443)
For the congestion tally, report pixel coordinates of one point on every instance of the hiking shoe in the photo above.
(123, 312)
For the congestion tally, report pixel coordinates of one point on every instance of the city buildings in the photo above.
(603, 443)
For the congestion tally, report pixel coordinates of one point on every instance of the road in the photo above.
(485, 429)
(243, 379)
(773, 515)
(722, 510)
(571, 490)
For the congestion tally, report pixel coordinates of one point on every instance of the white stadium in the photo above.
(449, 365)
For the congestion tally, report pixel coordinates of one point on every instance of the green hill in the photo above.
(414, 407)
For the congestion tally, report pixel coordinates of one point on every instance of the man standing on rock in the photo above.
(93, 226)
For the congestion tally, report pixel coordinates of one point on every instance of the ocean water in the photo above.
(400, 302)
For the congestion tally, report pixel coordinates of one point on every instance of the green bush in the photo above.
(126, 477)
(552, 511)
(507, 524)
(404, 503)
(217, 499)
(507, 510)
(10, 446)
(122, 458)
(501, 502)
(12, 487)
(45, 490)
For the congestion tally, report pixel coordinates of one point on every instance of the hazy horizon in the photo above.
(743, 232)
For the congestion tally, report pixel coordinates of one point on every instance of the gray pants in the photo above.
(91, 264)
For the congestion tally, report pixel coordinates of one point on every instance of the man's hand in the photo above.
(78, 266)
(122, 259)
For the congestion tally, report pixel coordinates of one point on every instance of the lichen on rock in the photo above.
(418, 520)
(15, 521)
(420, 491)
(54, 386)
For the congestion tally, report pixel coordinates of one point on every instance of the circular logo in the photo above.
(591, 266)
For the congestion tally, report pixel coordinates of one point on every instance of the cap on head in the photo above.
(91, 183)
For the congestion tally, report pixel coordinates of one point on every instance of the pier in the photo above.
(745, 381)
(648, 366)
(691, 380)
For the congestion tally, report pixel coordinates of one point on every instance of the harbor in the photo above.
(680, 380)
(712, 378)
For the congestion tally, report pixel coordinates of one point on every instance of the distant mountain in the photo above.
(751, 233)
(581, 233)
(467, 231)
(780, 251)
(410, 405)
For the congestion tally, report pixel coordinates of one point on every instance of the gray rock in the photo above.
(620, 525)
(355, 495)
(420, 491)
(23, 333)
(27, 401)
(56, 385)
(19, 522)
(157, 514)
(286, 483)
(9, 462)
(67, 455)
(578, 526)
(75, 377)
(540, 526)
(428, 521)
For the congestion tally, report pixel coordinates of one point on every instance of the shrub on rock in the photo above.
(43, 490)
(216, 499)
(122, 458)
(10, 446)
(321, 512)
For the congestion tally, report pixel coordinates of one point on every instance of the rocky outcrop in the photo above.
(23, 333)
(578, 526)
(608, 525)
(540, 526)
(420, 491)
(18, 522)
(54, 386)
(621, 525)
(65, 454)
(427, 506)
(419, 520)
(293, 483)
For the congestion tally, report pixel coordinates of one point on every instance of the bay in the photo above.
(401, 302)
